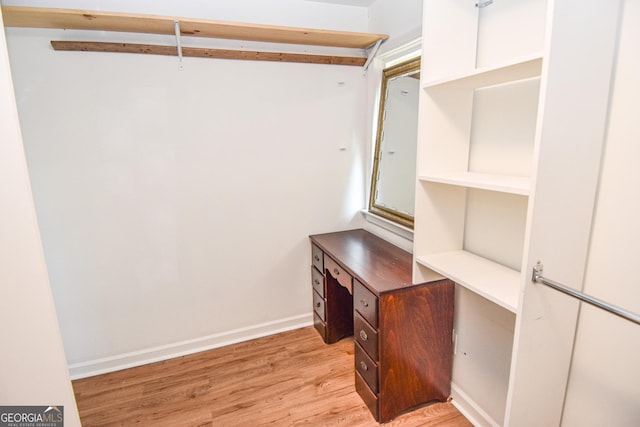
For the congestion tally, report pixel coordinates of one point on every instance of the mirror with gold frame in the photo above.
(394, 164)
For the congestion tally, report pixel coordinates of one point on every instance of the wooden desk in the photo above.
(403, 332)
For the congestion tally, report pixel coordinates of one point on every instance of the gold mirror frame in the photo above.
(390, 73)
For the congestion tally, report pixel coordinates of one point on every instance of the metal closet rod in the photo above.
(537, 277)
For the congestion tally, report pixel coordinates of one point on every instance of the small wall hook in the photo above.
(482, 4)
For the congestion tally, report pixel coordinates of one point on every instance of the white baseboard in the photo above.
(470, 409)
(156, 354)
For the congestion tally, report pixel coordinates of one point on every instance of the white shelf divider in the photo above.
(483, 181)
(519, 69)
(492, 281)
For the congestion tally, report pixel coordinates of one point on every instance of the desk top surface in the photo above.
(378, 264)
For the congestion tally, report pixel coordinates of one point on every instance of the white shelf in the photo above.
(493, 281)
(104, 21)
(98, 20)
(483, 181)
(520, 69)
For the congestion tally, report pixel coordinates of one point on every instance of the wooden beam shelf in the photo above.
(199, 52)
(36, 17)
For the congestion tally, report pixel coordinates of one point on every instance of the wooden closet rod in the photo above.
(200, 52)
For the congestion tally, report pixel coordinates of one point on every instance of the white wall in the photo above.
(33, 368)
(604, 381)
(175, 205)
(401, 20)
(300, 13)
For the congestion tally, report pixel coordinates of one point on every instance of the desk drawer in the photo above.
(339, 273)
(317, 258)
(318, 306)
(366, 303)
(370, 398)
(317, 281)
(366, 336)
(367, 368)
(320, 326)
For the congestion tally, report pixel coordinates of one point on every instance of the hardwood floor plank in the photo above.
(288, 379)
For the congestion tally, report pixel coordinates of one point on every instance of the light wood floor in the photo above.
(288, 379)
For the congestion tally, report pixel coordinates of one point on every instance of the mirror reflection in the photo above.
(394, 166)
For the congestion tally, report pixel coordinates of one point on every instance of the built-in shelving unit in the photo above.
(477, 137)
(510, 136)
(37, 17)
(478, 134)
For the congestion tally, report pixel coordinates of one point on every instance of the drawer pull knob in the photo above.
(364, 366)
(316, 281)
(364, 303)
(335, 270)
(316, 257)
(363, 335)
(318, 304)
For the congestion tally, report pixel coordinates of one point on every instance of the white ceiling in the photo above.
(361, 3)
